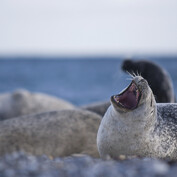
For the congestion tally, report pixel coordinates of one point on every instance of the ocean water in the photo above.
(80, 81)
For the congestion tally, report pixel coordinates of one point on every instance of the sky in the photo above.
(88, 27)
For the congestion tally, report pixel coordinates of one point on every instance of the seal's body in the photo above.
(98, 107)
(135, 125)
(56, 133)
(22, 102)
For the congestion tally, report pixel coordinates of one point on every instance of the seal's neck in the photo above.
(138, 121)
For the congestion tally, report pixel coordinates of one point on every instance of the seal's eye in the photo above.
(143, 81)
(151, 100)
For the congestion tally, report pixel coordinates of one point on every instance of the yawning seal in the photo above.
(135, 125)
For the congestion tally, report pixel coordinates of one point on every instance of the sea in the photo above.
(79, 80)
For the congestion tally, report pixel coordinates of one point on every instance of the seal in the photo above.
(22, 102)
(98, 107)
(56, 133)
(135, 125)
(158, 78)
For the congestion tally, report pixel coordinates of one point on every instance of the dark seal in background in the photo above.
(158, 78)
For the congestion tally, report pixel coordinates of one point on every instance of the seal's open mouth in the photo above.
(129, 98)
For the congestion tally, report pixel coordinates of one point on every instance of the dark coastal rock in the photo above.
(56, 133)
(157, 77)
(22, 102)
(25, 165)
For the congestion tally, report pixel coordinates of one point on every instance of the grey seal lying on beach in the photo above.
(158, 78)
(56, 133)
(22, 102)
(98, 107)
(135, 125)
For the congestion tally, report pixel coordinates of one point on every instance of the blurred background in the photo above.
(74, 49)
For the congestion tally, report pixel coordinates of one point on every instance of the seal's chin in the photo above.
(129, 98)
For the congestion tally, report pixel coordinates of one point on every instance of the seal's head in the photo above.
(137, 94)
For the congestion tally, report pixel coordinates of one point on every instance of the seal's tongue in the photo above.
(128, 98)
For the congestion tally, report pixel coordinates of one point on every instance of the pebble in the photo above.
(20, 164)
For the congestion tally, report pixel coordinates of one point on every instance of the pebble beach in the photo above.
(20, 164)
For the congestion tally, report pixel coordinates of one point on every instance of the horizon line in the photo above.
(75, 57)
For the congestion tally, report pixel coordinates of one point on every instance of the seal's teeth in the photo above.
(121, 104)
(136, 94)
(116, 99)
